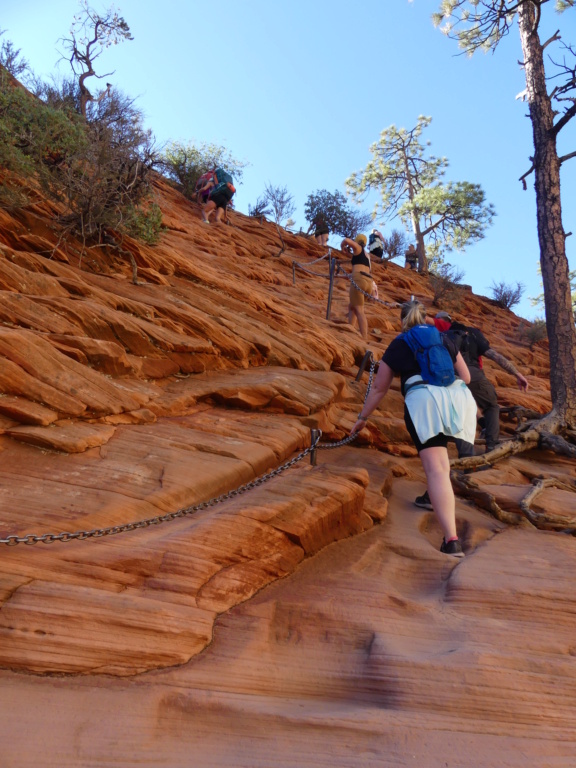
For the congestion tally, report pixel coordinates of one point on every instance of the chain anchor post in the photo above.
(333, 270)
(365, 360)
(314, 438)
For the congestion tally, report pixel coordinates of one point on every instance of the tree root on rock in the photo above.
(557, 444)
(546, 434)
(539, 519)
(468, 488)
(525, 441)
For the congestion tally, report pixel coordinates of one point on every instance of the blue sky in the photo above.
(300, 90)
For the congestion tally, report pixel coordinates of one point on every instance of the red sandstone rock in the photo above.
(310, 618)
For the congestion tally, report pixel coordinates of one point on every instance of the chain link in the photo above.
(321, 258)
(350, 438)
(97, 533)
(342, 273)
(309, 271)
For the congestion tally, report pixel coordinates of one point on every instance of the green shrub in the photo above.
(185, 163)
(532, 333)
(144, 224)
(35, 138)
(341, 219)
(445, 281)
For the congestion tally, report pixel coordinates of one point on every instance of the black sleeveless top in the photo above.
(361, 258)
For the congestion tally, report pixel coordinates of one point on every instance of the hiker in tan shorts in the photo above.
(362, 277)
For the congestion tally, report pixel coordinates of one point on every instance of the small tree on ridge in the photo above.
(451, 214)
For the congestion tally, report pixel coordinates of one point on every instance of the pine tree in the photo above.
(481, 26)
(408, 180)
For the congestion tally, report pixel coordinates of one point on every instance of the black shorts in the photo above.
(321, 231)
(222, 197)
(438, 441)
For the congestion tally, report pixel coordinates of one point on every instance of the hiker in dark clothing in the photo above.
(321, 231)
(376, 244)
(221, 193)
(411, 256)
(473, 345)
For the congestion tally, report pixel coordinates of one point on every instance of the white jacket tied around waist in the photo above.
(450, 410)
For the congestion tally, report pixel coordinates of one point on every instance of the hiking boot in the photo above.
(424, 501)
(453, 548)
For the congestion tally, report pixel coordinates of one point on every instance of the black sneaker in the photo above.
(453, 548)
(424, 501)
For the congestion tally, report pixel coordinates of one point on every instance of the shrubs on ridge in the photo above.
(98, 168)
(185, 163)
(340, 218)
(505, 295)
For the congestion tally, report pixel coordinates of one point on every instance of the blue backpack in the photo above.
(436, 366)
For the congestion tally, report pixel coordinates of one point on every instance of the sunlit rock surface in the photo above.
(307, 620)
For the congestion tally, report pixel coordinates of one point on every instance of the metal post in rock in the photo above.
(333, 262)
(314, 437)
(365, 360)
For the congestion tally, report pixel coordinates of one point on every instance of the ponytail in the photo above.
(412, 313)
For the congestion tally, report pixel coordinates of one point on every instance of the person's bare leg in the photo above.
(362, 322)
(357, 313)
(207, 210)
(437, 468)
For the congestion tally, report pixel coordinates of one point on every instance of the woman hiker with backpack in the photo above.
(220, 195)
(474, 345)
(362, 276)
(437, 406)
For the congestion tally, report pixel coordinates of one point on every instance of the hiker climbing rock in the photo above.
(411, 258)
(376, 244)
(438, 406)
(204, 185)
(321, 231)
(362, 276)
(221, 194)
(473, 345)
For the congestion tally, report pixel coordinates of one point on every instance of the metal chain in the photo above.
(350, 438)
(319, 259)
(309, 271)
(97, 533)
(342, 273)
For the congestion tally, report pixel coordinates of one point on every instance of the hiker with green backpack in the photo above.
(220, 196)
(438, 406)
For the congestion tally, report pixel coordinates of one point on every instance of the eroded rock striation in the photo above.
(306, 619)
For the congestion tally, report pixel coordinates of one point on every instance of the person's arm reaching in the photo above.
(381, 386)
(509, 367)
